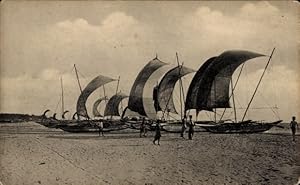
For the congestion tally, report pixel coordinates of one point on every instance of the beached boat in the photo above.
(210, 89)
(91, 126)
(84, 123)
(241, 127)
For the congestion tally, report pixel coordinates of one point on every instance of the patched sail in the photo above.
(138, 102)
(210, 87)
(112, 106)
(87, 91)
(96, 113)
(166, 87)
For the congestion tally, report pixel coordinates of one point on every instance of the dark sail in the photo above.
(96, 113)
(137, 102)
(166, 87)
(112, 106)
(155, 99)
(194, 88)
(211, 83)
(87, 91)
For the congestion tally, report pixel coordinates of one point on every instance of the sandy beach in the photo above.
(33, 154)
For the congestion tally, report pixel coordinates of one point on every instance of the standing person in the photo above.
(191, 128)
(183, 128)
(143, 128)
(293, 126)
(100, 127)
(157, 133)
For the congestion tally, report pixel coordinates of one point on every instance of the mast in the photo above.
(258, 84)
(118, 85)
(77, 78)
(120, 91)
(157, 104)
(180, 84)
(165, 109)
(234, 109)
(62, 97)
(232, 94)
(215, 96)
(121, 104)
(116, 92)
(104, 92)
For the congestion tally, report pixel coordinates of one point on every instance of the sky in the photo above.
(41, 41)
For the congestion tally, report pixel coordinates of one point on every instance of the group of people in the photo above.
(157, 135)
(185, 124)
(191, 126)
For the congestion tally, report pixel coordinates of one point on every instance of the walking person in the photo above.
(191, 128)
(157, 133)
(294, 126)
(100, 127)
(183, 128)
(143, 128)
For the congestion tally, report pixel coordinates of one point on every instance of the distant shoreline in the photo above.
(15, 117)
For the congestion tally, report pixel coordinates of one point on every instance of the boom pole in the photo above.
(258, 84)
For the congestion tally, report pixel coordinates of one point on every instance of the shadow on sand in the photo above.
(96, 136)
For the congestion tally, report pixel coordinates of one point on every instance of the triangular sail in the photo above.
(166, 87)
(210, 86)
(87, 91)
(96, 113)
(112, 106)
(145, 80)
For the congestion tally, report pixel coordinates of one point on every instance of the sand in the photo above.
(32, 154)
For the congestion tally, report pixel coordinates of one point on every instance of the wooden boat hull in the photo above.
(91, 127)
(55, 123)
(176, 127)
(171, 126)
(240, 128)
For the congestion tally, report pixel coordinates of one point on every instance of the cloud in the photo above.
(121, 44)
(255, 26)
(279, 88)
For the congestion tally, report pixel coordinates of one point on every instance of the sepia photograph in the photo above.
(149, 92)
